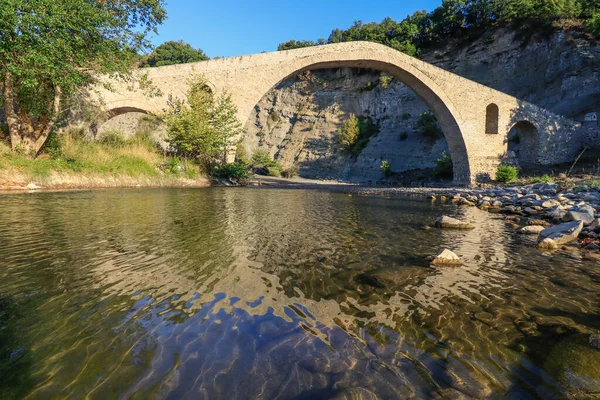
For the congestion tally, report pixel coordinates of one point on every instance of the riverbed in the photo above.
(246, 293)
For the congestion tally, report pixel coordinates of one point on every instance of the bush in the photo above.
(403, 136)
(237, 171)
(348, 133)
(428, 125)
(385, 81)
(355, 133)
(506, 173)
(541, 179)
(593, 25)
(386, 168)
(406, 116)
(113, 138)
(262, 159)
(444, 169)
(291, 172)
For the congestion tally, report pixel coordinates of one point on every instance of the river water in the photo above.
(228, 293)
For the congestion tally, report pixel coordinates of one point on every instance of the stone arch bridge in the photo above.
(474, 118)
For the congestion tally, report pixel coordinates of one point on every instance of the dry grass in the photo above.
(72, 162)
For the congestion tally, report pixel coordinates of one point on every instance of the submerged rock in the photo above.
(575, 363)
(369, 280)
(446, 222)
(447, 257)
(551, 238)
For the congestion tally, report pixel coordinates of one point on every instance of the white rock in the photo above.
(33, 186)
(531, 230)
(560, 234)
(446, 257)
(452, 223)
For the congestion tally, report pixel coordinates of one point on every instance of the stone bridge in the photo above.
(475, 119)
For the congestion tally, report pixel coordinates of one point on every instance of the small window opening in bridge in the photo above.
(491, 119)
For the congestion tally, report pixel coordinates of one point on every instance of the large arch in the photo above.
(424, 88)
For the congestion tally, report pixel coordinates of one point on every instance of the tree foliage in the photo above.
(50, 49)
(461, 18)
(170, 53)
(204, 126)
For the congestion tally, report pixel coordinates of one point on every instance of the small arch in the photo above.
(492, 113)
(524, 140)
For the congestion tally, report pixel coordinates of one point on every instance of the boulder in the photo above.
(583, 213)
(557, 213)
(595, 225)
(32, 186)
(551, 238)
(539, 222)
(532, 230)
(446, 222)
(551, 203)
(446, 257)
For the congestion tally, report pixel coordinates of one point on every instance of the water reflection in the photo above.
(254, 294)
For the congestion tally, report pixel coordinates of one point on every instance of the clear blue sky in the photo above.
(237, 27)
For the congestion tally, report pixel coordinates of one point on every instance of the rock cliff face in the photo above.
(298, 120)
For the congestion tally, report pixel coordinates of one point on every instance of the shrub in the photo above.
(506, 173)
(348, 133)
(428, 125)
(385, 81)
(403, 136)
(406, 116)
(444, 169)
(386, 168)
(541, 179)
(261, 157)
(291, 172)
(237, 171)
(593, 24)
(113, 138)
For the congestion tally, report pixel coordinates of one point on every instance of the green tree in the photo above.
(51, 49)
(298, 44)
(170, 53)
(203, 127)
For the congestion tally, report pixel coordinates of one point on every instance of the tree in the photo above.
(203, 127)
(170, 53)
(50, 49)
(298, 44)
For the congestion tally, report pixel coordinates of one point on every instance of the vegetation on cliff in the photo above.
(462, 18)
(50, 50)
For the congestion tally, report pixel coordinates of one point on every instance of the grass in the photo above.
(72, 155)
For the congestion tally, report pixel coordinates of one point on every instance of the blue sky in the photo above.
(237, 27)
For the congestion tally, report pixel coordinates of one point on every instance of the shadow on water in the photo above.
(15, 355)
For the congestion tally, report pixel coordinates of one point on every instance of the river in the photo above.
(239, 293)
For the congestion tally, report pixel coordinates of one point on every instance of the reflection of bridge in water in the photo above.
(475, 119)
(254, 280)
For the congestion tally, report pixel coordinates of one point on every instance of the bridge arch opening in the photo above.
(439, 108)
(129, 121)
(524, 141)
(492, 113)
